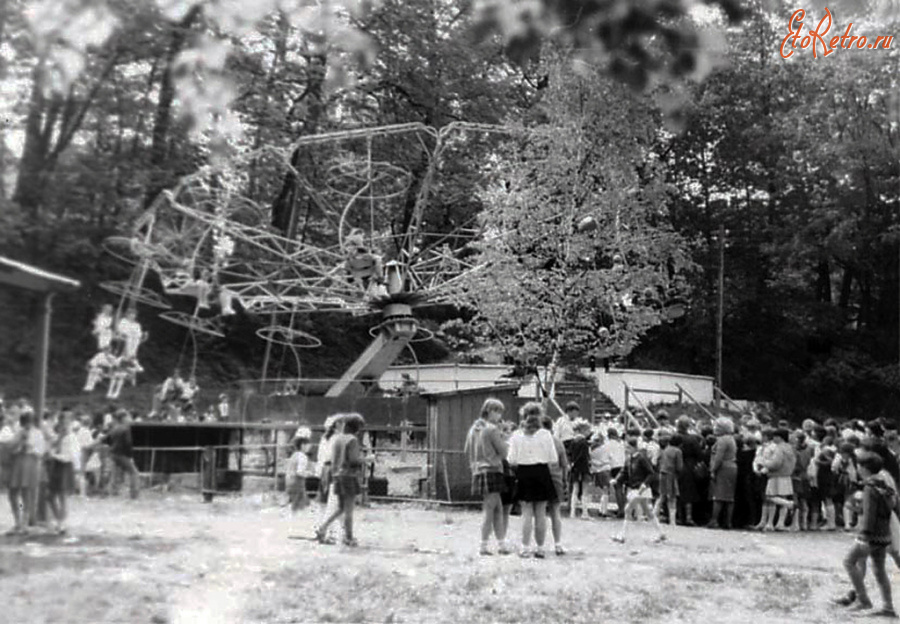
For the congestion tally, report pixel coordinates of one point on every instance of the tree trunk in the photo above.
(162, 120)
(823, 281)
(846, 288)
(286, 207)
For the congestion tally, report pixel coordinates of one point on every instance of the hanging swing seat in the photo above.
(129, 250)
(288, 337)
(133, 292)
(196, 324)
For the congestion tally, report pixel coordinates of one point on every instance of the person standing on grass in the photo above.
(531, 453)
(671, 463)
(779, 466)
(723, 472)
(579, 466)
(873, 540)
(508, 495)
(615, 451)
(689, 480)
(121, 452)
(800, 482)
(486, 449)
(600, 470)
(636, 477)
(564, 427)
(295, 471)
(27, 449)
(328, 503)
(64, 457)
(558, 475)
(346, 474)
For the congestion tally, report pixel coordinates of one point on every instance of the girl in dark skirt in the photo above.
(531, 453)
(63, 457)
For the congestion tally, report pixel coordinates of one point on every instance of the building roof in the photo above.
(21, 275)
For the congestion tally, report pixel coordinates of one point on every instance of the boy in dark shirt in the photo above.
(122, 453)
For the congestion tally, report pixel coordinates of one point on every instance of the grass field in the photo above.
(175, 559)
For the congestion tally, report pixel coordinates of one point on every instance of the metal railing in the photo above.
(696, 402)
(650, 418)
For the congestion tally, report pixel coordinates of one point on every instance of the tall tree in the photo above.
(578, 253)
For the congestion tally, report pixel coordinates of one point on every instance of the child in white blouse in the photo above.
(531, 452)
(295, 472)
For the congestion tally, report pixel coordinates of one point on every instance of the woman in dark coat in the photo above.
(723, 472)
(692, 452)
(746, 504)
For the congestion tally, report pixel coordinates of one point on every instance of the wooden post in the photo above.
(404, 440)
(275, 460)
(432, 445)
(446, 475)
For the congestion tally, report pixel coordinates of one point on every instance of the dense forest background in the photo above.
(796, 159)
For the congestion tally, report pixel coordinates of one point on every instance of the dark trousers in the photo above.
(125, 465)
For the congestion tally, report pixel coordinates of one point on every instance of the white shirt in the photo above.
(616, 451)
(652, 448)
(323, 454)
(538, 448)
(103, 323)
(300, 463)
(84, 438)
(69, 451)
(6, 434)
(130, 331)
(563, 428)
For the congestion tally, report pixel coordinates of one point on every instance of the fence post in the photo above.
(275, 461)
(432, 445)
(446, 475)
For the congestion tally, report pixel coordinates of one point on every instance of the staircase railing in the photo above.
(695, 402)
(647, 413)
(729, 401)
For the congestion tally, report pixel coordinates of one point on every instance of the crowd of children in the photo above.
(731, 473)
(744, 472)
(44, 460)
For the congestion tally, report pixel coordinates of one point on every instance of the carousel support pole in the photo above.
(42, 350)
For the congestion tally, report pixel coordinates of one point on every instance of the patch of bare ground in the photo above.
(174, 559)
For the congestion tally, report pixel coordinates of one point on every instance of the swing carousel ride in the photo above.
(355, 228)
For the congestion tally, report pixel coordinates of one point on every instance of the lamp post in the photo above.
(720, 316)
